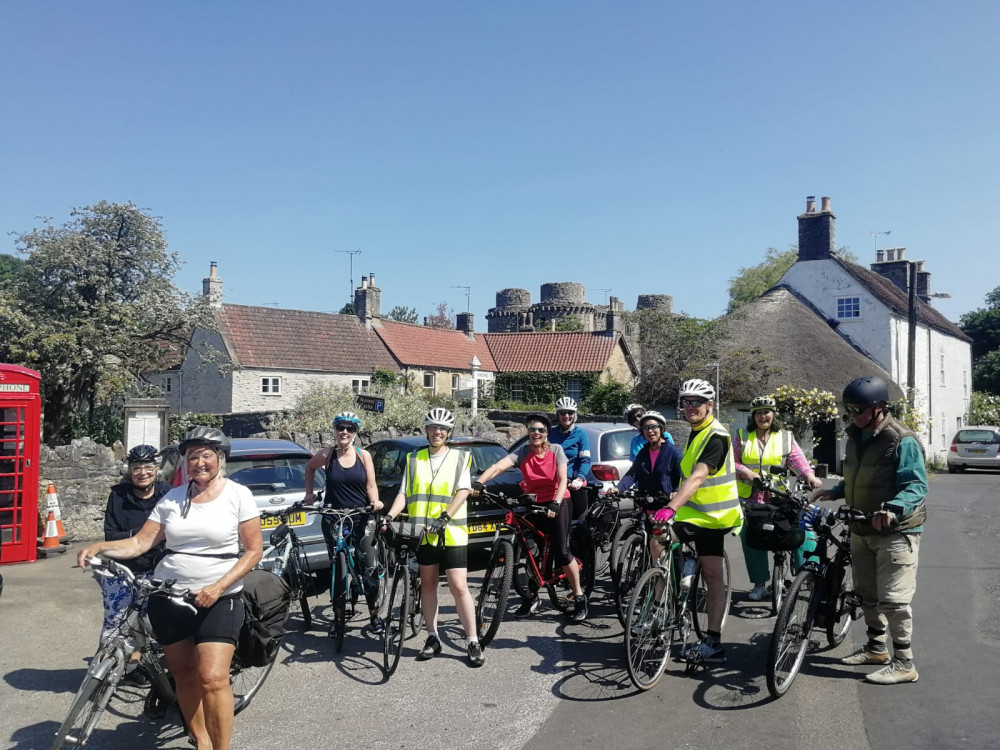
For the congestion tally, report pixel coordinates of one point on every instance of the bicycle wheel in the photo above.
(699, 602)
(601, 521)
(90, 701)
(246, 681)
(395, 619)
(838, 614)
(649, 628)
(492, 601)
(790, 638)
(581, 544)
(778, 573)
(523, 579)
(415, 611)
(626, 529)
(632, 563)
(296, 573)
(340, 591)
(382, 568)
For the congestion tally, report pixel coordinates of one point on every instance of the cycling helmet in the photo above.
(566, 404)
(441, 417)
(656, 416)
(141, 454)
(538, 418)
(866, 391)
(212, 437)
(632, 410)
(763, 402)
(698, 388)
(347, 417)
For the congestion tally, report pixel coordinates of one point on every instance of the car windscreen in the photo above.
(977, 436)
(615, 445)
(267, 474)
(484, 456)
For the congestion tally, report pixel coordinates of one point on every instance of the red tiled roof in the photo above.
(300, 340)
(421, 346)
(552, 351)
(897, 300)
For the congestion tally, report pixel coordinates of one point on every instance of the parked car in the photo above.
(274, 471)
(609, 451)
(974, 448)
(389, 458)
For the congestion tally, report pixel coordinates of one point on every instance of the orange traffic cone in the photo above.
(52, 504)
(51, 543)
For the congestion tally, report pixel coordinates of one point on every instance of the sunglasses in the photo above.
(537, 430)
(650, 427)
(853, 410)
(148, 469)
(346, 428)
(565, 413)
(692, 402)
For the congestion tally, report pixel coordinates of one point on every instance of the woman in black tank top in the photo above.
(350, 483)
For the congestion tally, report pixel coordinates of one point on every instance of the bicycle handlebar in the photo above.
(105, 567)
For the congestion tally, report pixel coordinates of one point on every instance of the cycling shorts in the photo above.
(220, 623)
(447, 557)
(707, 542)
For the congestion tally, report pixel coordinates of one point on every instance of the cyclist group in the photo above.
(204, 535)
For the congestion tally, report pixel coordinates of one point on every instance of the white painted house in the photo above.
(871, 308)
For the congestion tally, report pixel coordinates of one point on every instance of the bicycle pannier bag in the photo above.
(772, 527)
(267, 601)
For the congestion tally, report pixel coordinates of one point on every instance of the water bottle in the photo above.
(414, 565)
(687, 572)
(810, 516)
(532, 546)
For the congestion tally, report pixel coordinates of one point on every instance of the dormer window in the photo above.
(848, 308)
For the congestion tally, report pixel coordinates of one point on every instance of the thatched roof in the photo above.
(794, 338)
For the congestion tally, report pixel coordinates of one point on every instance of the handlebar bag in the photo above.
(772, 527)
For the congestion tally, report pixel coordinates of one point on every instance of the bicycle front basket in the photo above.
(772, 527)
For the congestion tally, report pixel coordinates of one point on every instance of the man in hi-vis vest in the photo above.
(706, 507)
(436, 483)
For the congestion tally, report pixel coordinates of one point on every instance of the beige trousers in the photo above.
(885, 577)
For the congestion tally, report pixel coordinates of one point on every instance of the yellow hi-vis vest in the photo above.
(775, 452)
(716, 504)
(429, 494)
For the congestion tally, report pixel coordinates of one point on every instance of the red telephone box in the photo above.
(20, 438)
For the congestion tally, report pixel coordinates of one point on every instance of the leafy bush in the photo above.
(984, 408)
(181, 423)
(607, 398)
(800, 408)
(908, 413)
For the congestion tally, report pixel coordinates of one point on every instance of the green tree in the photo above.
(607, 398)
(984, 408)
(403, 314)
(95, 309)
(673, 347)
(442, 318)
(11, 269)
(569, 323)
(750, 283)
(347, 309)
(983, 327)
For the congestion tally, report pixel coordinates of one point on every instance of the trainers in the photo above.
(432, 647)
(528, 608)
(135, 677)
(896, 672)
(707, 653)
(863, 656)
(476, 658)
(579, 613)
(377, 625)
(759, 592)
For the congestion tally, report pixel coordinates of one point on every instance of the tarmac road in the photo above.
(550, 684)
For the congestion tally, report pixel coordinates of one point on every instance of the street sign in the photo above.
(370, 403)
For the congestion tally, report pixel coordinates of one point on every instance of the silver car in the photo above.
(974, 448)
(609, 450)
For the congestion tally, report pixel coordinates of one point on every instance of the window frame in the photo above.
(432, 377)
(270, 385)
(517, 390)
(360, 385)
(574, 389)
(855, 301)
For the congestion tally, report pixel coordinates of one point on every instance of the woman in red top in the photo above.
(543, 468)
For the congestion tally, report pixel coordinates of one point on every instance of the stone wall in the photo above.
(83, 473)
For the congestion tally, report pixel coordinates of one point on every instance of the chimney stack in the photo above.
(464, 322)
(367, 300)
(211, 286)
(816, 231)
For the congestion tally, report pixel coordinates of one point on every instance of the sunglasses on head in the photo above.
(692, 402)
(537, 430)
(347, 428)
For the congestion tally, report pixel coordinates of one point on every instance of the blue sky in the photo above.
(645, 147)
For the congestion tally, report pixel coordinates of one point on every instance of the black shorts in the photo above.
(448, 557)
(708, 542)
(220, 623)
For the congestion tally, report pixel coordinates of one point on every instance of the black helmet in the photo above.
(142, 454)
(538, 418)
(211, 437)
(866, 391)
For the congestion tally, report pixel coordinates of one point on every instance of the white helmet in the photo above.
(440, 417)
(656, 416)
(565, 404)
(698, 388)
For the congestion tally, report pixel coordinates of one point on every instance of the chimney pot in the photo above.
(364, 282)
(213, 269)
(371, 279)
(879, 256)
(890, 254)
(900, 252)
(810, 204)
(825, 206)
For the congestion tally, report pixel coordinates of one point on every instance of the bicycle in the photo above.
(347, 584)
(530, 549)
(821, 595)
(662, 612)
(287, 556)
(602, 520)
(107, 667)
(403, 604)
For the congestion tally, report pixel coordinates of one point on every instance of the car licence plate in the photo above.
(976, 450)
(483, 527)
(294, 519)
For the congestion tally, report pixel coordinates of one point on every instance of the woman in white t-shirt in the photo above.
(204, 524)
